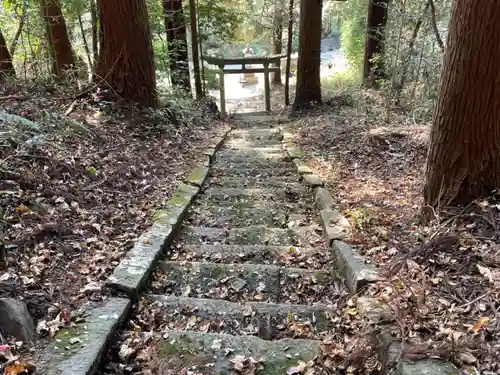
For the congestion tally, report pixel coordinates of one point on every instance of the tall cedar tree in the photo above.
(6, 67)
(463, 162)
(195, 50)
(308, 90)
(278, 41)
(58, 36)
(175, 26)
(375, 41)
(126, 60)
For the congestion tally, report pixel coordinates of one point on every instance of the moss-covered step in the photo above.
(233, 215)
(284, 256)
(251, 235)
(232, 282)
(231, 171)
(250, 142)
(265, 320)
(266, 182)
(213, 206)
(77, 350)
(290, 193)
(241, 163)
(272, 133)
(305, 286)
(257, 149)
(237, 156)
(219, 354)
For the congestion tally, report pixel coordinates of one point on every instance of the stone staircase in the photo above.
(249, 285)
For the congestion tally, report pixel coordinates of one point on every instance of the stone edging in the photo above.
(82, 355)
(357, 273)
(336, 227)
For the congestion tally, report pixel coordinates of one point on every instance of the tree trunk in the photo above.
(308, 90)
(95, 32)
(375, 41)
(126, 60)
(278, 44)
(6, 67)
(175, 27)
(463, 162)
(194, 48)
(58, 36)
(289, 52)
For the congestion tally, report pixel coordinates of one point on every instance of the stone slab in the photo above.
(255, 149)
(335, 226)
(231, 214)
(234, 194)
(284, 256)
(216, 351)
(312, 180)
(132, 273)
(198, 175)
(220, 315)
(301, 167)
(236, 282)
(323, 199)
(83, 357)
(234, 156)
(356, 272)
(260, 182)
(310, 287)
(232, 171)
(294, 153)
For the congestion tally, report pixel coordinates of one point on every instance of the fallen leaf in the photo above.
(480, 323)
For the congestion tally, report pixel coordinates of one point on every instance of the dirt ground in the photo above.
(442, 279)
(78, 186)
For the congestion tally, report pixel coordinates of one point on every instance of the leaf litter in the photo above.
(77, 189)
(442, 286)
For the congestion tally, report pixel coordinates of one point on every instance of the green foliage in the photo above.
(353, 30)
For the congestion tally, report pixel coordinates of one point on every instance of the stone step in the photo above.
(241, 182)
(265, 320)
(238, 156)
(219, 354)
(231, 282)
(251, 142)
(256, 149)
(308, 287)
(274, 133)
(290, 194)
(246, 162)
(231, 214)
(251, 235)
(231, 171)
(285, 256)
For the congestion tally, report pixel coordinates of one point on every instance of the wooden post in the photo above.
(267, 89)
(221, 88)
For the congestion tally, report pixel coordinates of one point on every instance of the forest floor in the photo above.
(78, 186)
(442, 280)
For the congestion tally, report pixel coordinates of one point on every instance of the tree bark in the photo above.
(58, 36)
(6, 66)
(194, 48)
(463, 162)
(175, 27)
(278, 44)
(126, 60)
(375, 41)
(95, 32)
(308, 89)
(289, 52)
